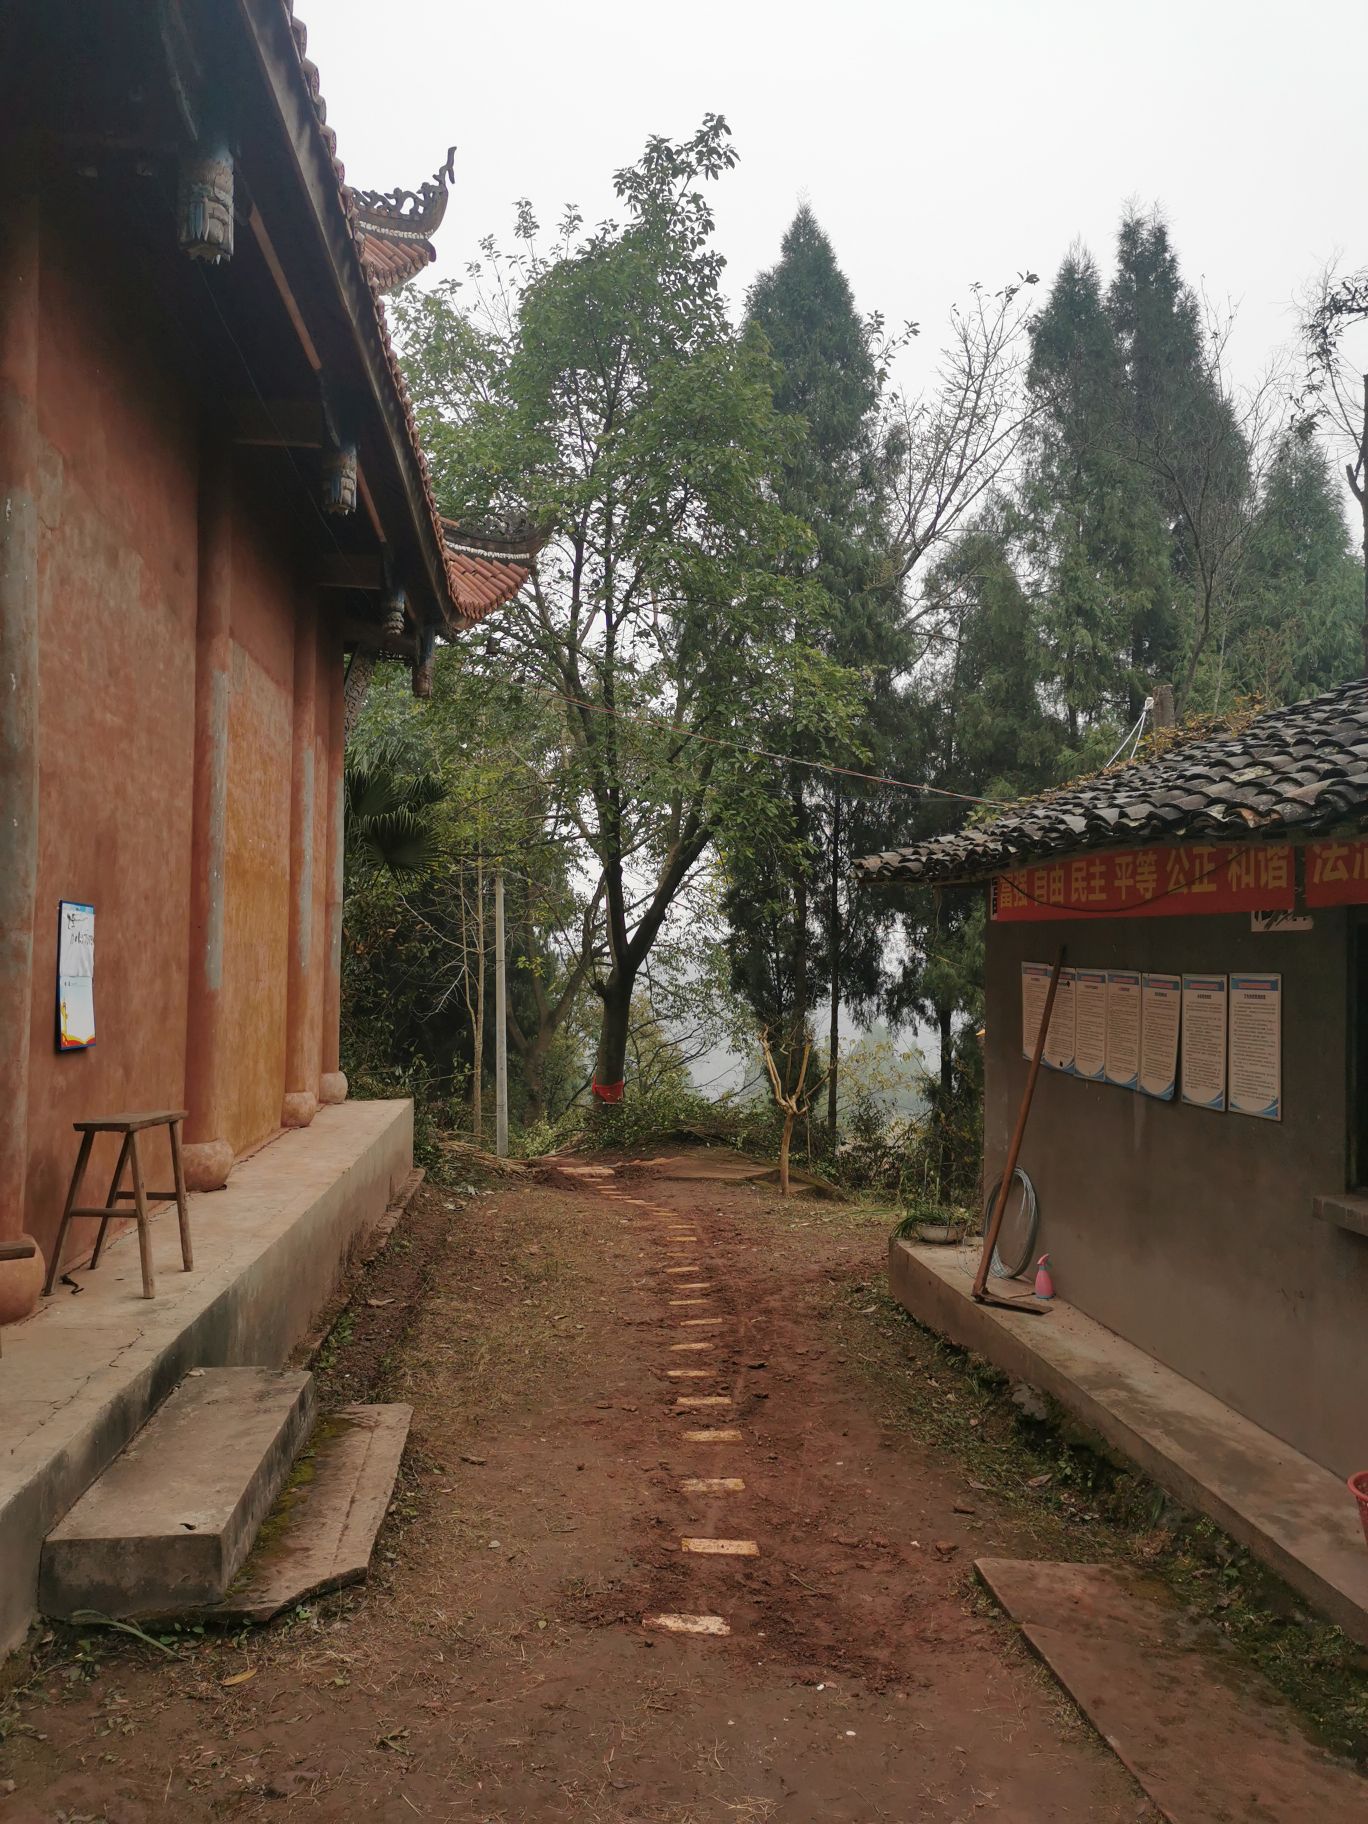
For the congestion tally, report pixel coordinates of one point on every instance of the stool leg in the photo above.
(77, 1176)
(187, 1251)
(144, 1236)
(111, 1203)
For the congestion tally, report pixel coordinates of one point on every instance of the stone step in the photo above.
(168, 1524)
(320, 1534)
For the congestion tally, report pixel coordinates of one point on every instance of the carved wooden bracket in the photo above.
(205, 204)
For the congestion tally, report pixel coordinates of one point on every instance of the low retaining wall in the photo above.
(1292, 1513)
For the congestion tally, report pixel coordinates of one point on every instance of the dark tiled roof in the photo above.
(1290, 772)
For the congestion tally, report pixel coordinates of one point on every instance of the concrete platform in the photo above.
(1291, 1513)
(322, 1530)
(80, 1377)
(1210, 1741)
(169, 1523)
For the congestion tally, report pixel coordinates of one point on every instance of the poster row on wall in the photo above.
(1213, 1040)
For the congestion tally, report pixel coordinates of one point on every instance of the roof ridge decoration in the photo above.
(395, 226)
(1295, 771)
(479, 579)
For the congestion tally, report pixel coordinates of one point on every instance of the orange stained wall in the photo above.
(256, 919)
(119, 433)
(117, 606)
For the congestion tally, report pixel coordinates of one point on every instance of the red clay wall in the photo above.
(119, 434)
(256, 919)
(116, 579)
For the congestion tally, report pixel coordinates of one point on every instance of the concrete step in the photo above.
(169, 1523)
(321, 1532)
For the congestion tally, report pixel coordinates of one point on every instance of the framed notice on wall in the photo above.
(1204, 1040)
(1160, 1023)
(75, 976)
(1255, 1068)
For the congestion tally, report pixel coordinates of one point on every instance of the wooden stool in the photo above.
(17, 1250)
(130, 1126)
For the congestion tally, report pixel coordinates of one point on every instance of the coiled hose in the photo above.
(1011, 1265)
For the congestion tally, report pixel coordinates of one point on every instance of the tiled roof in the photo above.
(390, 232)
(1290, 772)
(488, 567)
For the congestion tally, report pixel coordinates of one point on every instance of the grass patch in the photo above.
(1077, 1499)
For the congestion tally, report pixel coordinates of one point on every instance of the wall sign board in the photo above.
(1337, 873)
(75, 976)
(1196, 879)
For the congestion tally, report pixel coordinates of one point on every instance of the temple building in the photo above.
(215, 520)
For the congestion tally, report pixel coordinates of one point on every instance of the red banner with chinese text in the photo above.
(1197, 879)
(1337, 873)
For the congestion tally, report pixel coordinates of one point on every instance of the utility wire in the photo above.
(761, 753)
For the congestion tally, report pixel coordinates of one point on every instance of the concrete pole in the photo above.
(300, 1104)
(500, 1020)
(209, 1148)
(20, 1281)
(332, 1084)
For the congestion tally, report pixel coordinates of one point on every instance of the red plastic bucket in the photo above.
(1358, 1488)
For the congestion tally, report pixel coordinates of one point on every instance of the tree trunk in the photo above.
(786, 1140)
(800, 941)
(610, 1063)
(944, 1019)
(477, 1082)
(834, 941)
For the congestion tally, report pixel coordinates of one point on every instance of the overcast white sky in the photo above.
(937, 143)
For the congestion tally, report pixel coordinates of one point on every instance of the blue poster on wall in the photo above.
(75, 976)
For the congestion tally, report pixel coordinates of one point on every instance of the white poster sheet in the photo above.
(1059, 1039)
(1035, 985)
(1204, 1040)
(1160, 1019)
(1090, 1024)
(1123, 1027)
(75, 976)
(1255, 1066)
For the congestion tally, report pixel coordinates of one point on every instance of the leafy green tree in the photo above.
(1301, 624)
(618, 406)
(1096, 539)
(978, 727)
(792, 927)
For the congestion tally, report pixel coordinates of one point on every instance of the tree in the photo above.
(978, 729)
(1301, 623)
(620, 408)
(785, 934)
(1203, 442)
(1095, 539)
(1336, 390)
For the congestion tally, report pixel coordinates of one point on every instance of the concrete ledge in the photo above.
(1295, 1516)
(81, 1375)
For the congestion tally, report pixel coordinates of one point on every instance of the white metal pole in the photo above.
(500, 1021)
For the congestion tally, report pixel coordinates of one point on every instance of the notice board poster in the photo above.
(75, 976)
(1059, 1038)
(1160, 1023)
(1255, 1043)
(1090, 1024)
(1204, 1040)
(1123, 1027)
(1035, 986)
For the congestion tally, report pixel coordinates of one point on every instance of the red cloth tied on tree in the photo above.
(608, 1092)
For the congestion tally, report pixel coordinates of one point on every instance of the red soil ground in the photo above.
(496, 1668)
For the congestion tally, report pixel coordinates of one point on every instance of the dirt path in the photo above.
(497, 1667)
